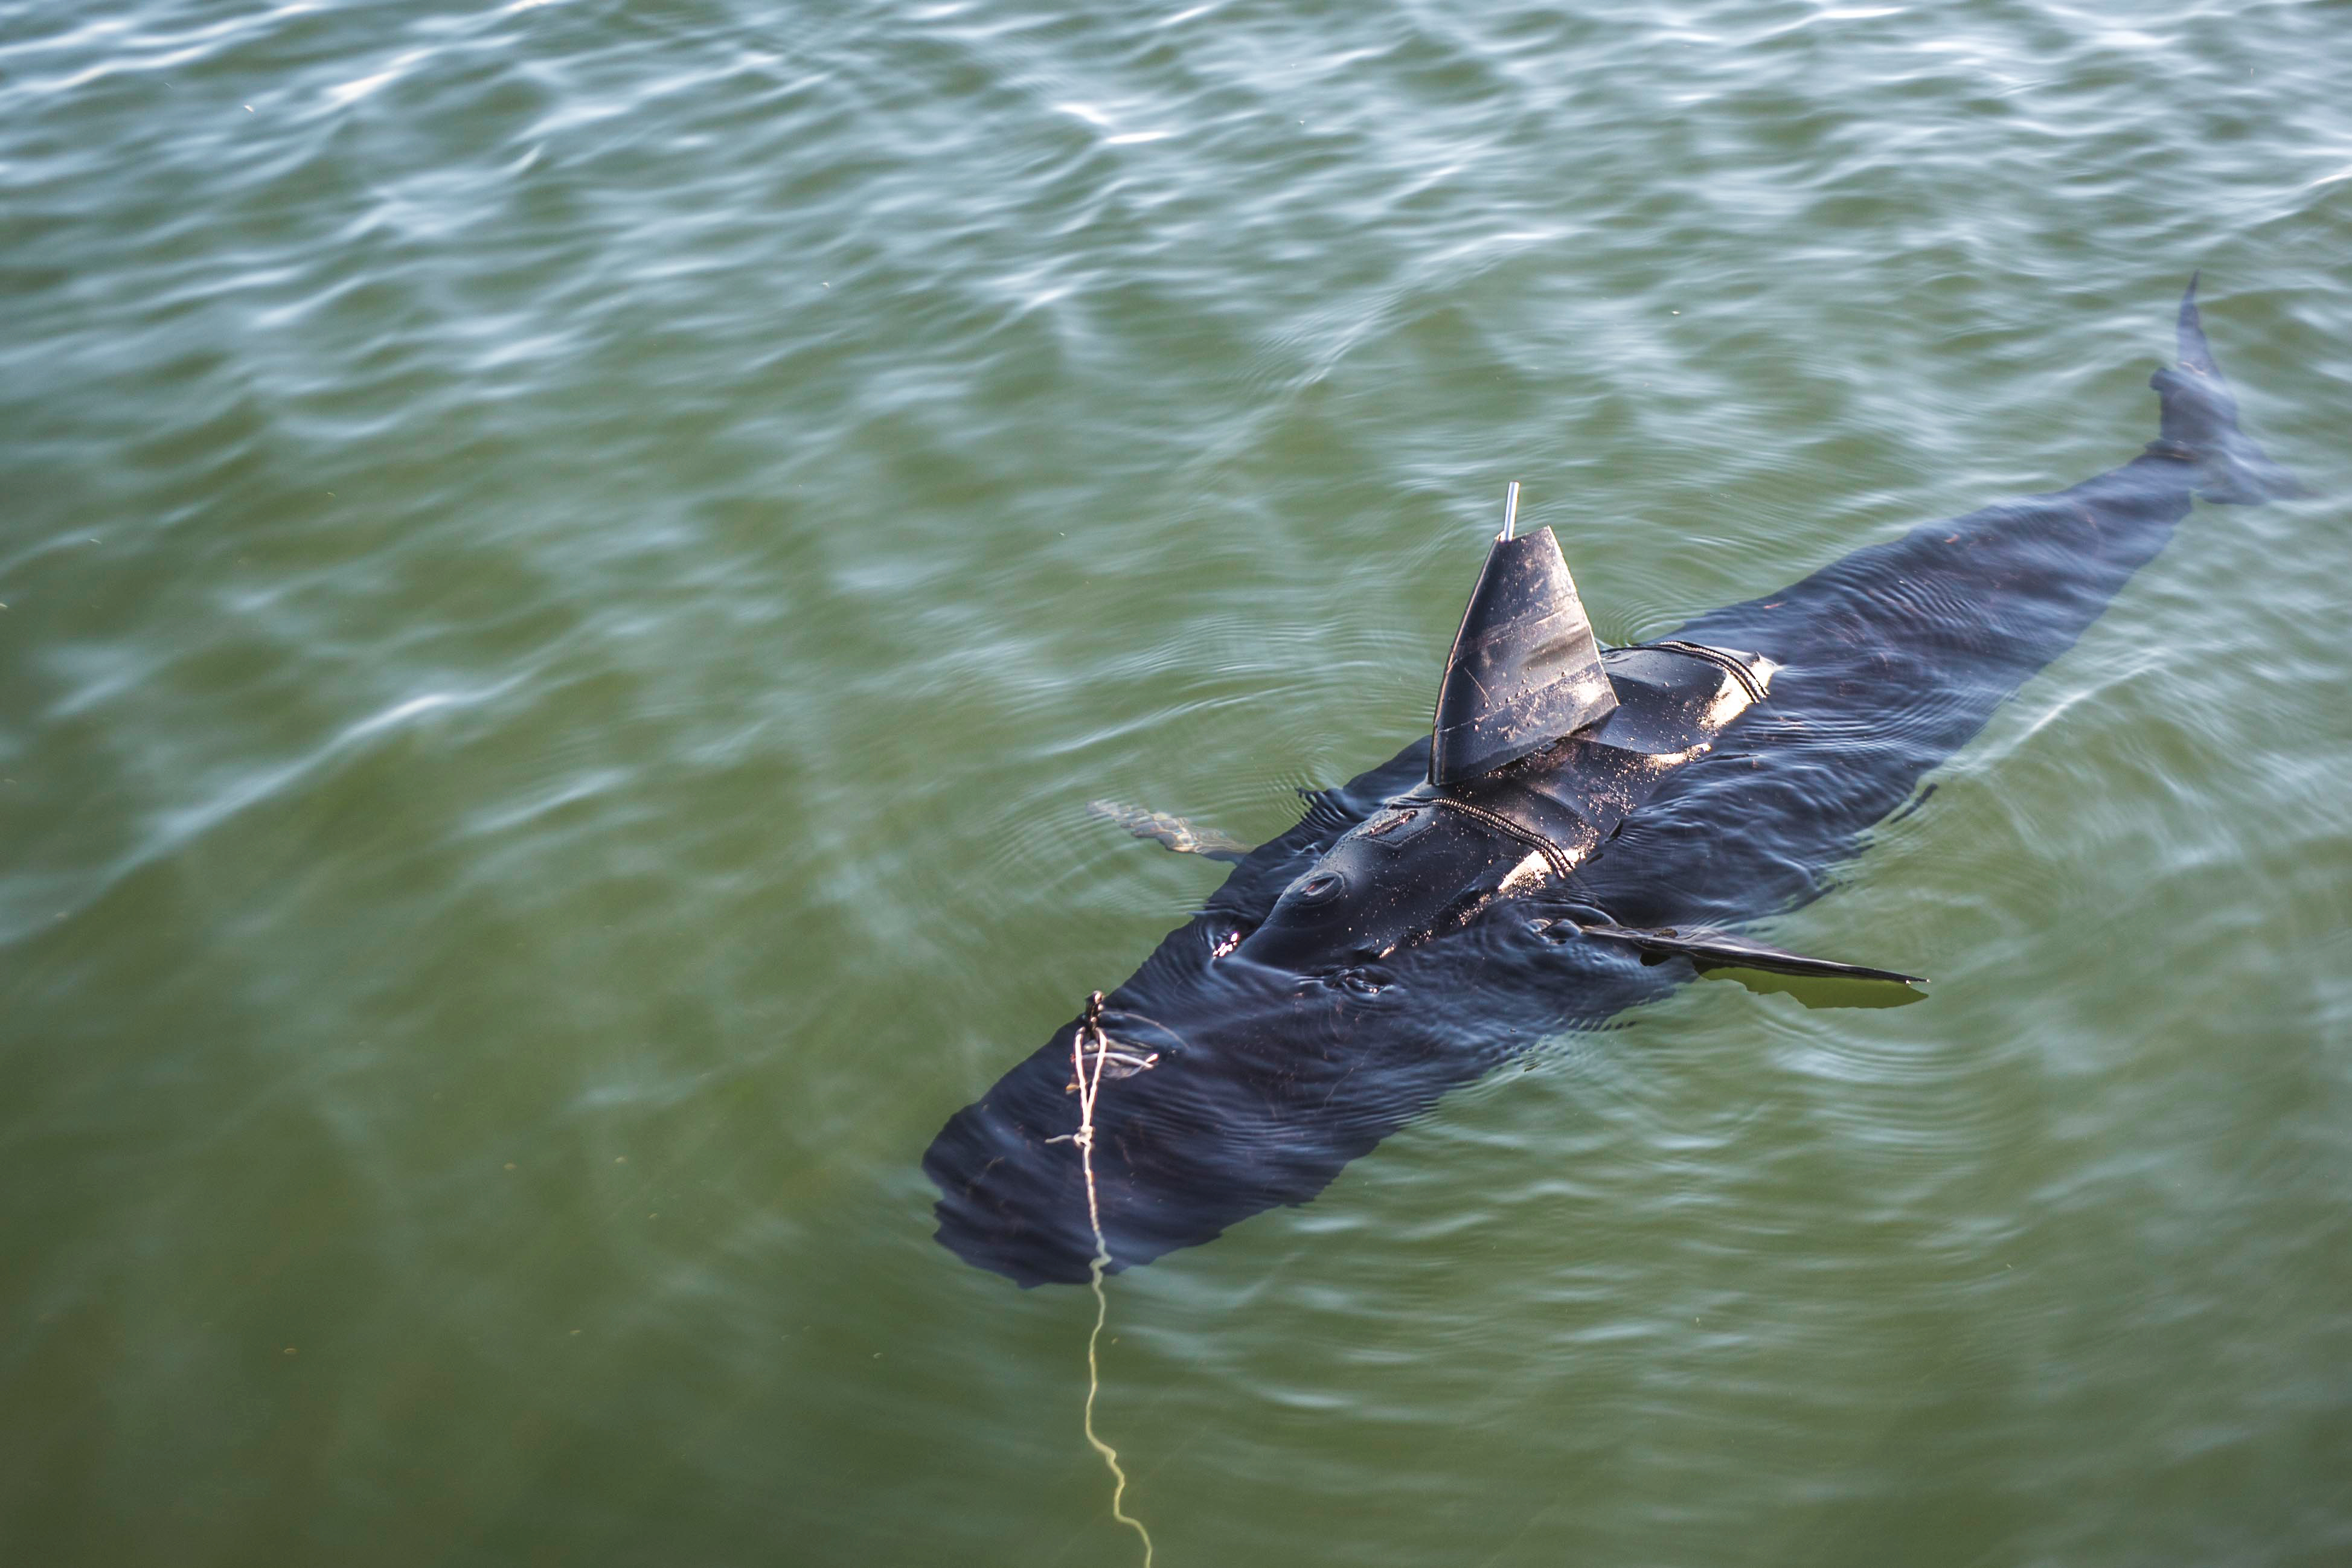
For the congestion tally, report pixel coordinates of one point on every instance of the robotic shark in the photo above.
(1581, 829)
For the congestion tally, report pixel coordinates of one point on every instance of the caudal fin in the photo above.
(2201, 424)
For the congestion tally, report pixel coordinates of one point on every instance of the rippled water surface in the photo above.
(571, 570)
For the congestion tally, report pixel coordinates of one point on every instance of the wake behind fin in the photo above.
(2200, 423)
(1324, 811)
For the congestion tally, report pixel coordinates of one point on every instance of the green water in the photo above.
(571, 570)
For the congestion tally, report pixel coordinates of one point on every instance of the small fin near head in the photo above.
(1525, 669)
(1183, 837)
(2190, 346)
(2199, 421)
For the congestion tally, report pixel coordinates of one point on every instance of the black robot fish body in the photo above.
(1582, 829)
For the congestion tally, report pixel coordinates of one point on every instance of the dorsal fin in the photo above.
(1524, 670)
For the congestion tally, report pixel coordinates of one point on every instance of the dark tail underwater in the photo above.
(2201, 424)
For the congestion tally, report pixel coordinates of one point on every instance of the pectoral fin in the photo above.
(1173, 831)
(1709, 947)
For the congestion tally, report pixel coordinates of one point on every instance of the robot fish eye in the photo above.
(1322, 887)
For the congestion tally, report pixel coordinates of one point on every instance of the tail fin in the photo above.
(2201, 424)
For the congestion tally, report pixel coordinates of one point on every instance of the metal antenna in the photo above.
(1510, 510)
